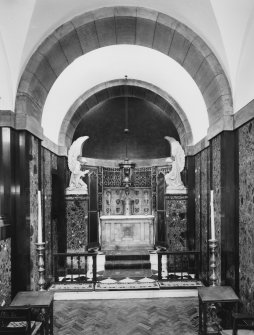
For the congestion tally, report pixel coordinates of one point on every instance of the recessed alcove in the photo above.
(105, 123)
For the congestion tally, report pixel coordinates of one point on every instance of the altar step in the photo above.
(127, 255)
(127, 263)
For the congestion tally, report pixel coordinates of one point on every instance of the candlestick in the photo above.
(39, 218)
(40, 247)
(213, 266)
(212, 217)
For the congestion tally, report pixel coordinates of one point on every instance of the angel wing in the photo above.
(177, 152)
(75, 151)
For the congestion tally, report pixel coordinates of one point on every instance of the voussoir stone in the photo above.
(125, 30)
(106, 31)
(71, 46)
(88, 37)
(179, 47)
(145, 32)
(56, 58)
(193, 60)
(163, 36)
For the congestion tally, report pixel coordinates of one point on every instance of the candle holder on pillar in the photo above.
(213, 266)
(213, 321)
(40, 247)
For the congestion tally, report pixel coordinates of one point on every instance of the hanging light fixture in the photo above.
(127, 166)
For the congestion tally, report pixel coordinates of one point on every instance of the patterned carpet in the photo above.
(171, 316)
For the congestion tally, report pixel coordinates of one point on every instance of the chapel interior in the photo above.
(127, 147)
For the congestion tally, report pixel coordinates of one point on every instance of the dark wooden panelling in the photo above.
(1, 175)
(190, 163)
(93, 224)
(161, 225)
(6, 170)
(93, 228)
(204, 208)
(160, 191)
(21, 228)
(236, 218)
(160, 229)
(6, 181)
(228, 212)
(60, 194)
(201, 185)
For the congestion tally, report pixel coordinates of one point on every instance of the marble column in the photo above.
(77, 222)
(176, 221)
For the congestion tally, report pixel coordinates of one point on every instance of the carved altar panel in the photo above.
(122, 231)
(113, 201)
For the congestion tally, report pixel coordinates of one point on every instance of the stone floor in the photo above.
(171, 316)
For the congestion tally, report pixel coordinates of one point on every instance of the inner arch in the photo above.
(118, 88)
(108, 63)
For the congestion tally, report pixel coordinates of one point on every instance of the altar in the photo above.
(128, 206)
(127, 232)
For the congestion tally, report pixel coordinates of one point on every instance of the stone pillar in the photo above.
(176, 221)
(77, 222)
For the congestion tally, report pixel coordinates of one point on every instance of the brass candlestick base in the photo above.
(40, 247)
(213, 276)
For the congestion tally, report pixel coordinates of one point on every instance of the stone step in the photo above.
(124, 247)
(127, 256)
(142, 294)
(128, 264)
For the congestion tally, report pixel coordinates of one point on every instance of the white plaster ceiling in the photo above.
(225, 25)
(109, 63)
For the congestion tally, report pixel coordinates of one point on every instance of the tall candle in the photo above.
(39, 218)
(212, 218)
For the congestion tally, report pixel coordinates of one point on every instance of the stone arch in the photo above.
(116, 88)
(120, 25)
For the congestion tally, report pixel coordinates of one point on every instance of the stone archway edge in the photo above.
(121, 25)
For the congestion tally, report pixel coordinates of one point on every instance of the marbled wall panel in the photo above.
(204, 187)
(33, 171)
(77, 217)
(48, 162)
(197, 199)
(216, 185)
(5, 271)
(246, 215)
(47, 159)
(176, 221)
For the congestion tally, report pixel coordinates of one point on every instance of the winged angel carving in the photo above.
(177, 161)
(75, 161)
